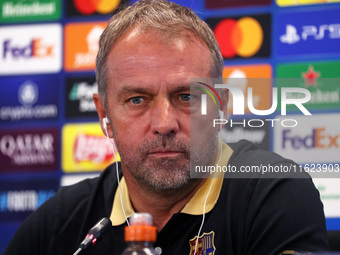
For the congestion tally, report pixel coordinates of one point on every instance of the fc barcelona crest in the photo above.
(205, 244)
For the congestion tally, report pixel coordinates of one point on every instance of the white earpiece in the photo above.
(220, 114)
(105, 122)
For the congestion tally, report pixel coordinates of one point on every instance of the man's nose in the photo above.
(164, 119)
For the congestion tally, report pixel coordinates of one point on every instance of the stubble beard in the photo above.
(167, 175)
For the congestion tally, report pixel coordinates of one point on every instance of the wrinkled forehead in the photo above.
(168, 35)
(141, 36)
(144, 57)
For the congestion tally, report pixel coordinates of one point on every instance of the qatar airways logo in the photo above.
(239, 99)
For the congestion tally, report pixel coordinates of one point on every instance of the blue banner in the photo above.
(18, 199)
(309, 32)
(29, 98)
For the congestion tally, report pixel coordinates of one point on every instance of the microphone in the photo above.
(94, 234)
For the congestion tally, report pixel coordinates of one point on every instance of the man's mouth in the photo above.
(165, 153)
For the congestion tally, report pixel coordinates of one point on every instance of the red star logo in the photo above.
(310, 77)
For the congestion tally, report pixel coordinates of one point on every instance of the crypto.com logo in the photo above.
(239, 102)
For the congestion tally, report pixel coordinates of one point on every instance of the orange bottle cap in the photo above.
(140, 233)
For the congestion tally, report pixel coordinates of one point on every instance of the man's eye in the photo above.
(185, 97)
(136, 100)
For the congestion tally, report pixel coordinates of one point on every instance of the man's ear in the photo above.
(102, 114)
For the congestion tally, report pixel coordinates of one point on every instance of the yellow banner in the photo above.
(303, 2)
(85, 148)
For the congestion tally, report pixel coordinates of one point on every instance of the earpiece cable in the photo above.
(206, 199)
(120, 191)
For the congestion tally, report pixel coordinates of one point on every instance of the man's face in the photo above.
(149, 106)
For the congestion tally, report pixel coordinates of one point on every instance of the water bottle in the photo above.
(140, 235)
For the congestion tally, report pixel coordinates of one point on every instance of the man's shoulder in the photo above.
(253, 162)
(79, 190)
(74, 206)
(77, 200)
(82, 190)
(246, 151)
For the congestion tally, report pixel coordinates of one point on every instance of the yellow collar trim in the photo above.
(195, 204)
(117, 216)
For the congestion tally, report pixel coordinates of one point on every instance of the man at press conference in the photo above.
(147, 55)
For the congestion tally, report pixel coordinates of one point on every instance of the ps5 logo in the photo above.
(291, 36)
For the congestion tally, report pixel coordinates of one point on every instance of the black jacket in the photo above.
(253, 215)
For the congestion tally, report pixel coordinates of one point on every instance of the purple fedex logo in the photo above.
(30, 49)
(34, 49)
(318, 138)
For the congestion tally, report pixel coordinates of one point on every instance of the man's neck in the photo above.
(160, 204)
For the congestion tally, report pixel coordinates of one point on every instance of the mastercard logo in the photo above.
(88, 7)
(243, 37)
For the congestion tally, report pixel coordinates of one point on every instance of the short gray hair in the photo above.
(165, 17)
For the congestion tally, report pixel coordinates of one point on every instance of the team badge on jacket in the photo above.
(205, 244)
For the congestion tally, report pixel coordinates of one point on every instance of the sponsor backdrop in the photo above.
(49, 132)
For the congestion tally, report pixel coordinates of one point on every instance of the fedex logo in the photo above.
(319, 138)
(315, 140)
(29, 49)
(36, 48)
